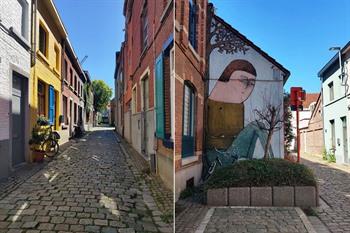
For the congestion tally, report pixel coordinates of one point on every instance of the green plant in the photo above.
(324, 154)
(42, 121)
(39, 133)
(331, 156)
(259, 172)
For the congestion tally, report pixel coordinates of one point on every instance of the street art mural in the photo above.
(235, 91)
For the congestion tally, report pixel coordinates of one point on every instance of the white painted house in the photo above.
(14, 79)
(336, 104)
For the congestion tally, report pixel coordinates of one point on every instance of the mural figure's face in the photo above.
(236, 90)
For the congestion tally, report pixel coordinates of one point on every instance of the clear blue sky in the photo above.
(297, 33)
(95, 28)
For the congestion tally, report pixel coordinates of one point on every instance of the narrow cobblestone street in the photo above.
(90, 187)
(334, 185)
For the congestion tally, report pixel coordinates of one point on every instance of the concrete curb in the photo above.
(305, 220)
(205, 221)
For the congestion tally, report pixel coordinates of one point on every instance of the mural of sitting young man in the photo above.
(227, 137)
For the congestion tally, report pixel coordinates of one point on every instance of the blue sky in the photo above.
(95, 29)
(296, 33)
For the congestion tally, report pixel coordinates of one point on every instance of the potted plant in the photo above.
(39, 134)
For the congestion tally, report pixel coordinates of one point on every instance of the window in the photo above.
(71, 77)
(24, 18)
(65, 70)
(144, 27)
(188, 111)
(57, 58)
(188, 141)
(65, 110)
(331, 91)
(75, 83)
(332, 134)
(41, 99)
(75, 113)
(42, 40)
(192, 27)
(134, 101)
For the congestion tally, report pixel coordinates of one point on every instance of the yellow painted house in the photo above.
(45, 86)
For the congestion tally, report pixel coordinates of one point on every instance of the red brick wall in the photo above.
(190, 67)
(311, 138)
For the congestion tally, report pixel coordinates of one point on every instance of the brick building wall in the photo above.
(311, 137)
(139, 63)
(190, 68)
(14, 57)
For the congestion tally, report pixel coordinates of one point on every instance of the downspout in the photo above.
(33, 31)
(206, 77)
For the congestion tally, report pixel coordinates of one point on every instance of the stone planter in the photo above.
(239, 196)
(217, 197)
(283, 196)
(261, 196)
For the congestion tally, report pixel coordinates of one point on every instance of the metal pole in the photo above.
(298, 134)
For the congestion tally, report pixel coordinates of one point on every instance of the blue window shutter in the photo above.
(159, 80)
(192, 24)
(51, 116)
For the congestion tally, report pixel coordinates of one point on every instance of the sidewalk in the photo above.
(162, 196)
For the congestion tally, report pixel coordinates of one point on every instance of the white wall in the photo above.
(334, 110)
(267, 88)
(13, 56)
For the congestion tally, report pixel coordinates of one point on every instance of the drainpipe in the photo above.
(33, 31)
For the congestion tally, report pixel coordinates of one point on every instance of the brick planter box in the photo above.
(300, 196)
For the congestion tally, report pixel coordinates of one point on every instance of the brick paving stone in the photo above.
(334, 190)
(255, 220)
(91, 186)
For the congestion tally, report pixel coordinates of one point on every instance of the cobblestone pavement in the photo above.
(190, 216)
(90, 187)
(163, 196)
(255, 220)
(334, 188)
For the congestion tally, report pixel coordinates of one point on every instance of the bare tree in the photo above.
(270, 120)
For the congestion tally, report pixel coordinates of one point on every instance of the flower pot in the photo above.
(38, 156)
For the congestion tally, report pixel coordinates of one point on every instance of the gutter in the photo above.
(33, 32)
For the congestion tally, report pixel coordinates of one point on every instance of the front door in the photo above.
(51, 105)
(145, 99)
(188, 122)
(18, 116)
(345, 140)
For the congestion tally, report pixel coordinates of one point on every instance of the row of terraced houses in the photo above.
(40, 76)
(187, 84)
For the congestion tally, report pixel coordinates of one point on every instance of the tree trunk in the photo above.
(270, 132)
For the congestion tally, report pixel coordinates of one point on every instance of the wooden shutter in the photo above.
(51, 105)
(159, 80)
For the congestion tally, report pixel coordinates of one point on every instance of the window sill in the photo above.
(20, 39)
(56, 72)
(194, 52)
(188, 160)
(43, 57)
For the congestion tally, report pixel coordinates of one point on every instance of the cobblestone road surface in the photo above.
(90, 187)
(255, 220)
(334, 185)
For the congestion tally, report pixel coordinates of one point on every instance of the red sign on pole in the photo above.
(297, 96)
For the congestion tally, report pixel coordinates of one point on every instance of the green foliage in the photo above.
(88, 92)
(40, 132)
(102, 95)
(324, 154)
(259, 172)
(288, 130)
(329, 155)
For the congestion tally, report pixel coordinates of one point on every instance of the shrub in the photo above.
(272, 172)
